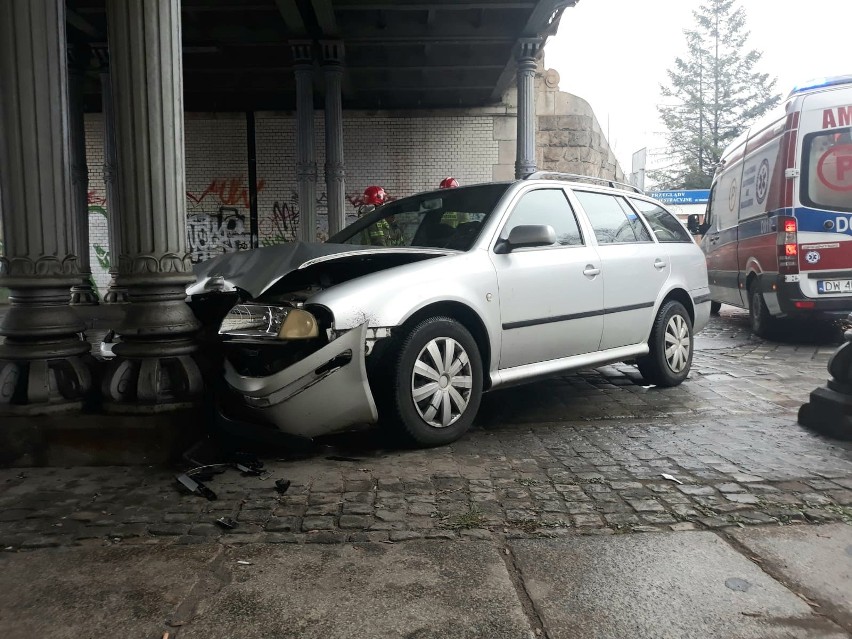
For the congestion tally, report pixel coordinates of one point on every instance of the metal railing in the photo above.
(574, 177)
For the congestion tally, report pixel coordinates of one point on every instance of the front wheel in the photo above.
(670, 347)
(437, 382)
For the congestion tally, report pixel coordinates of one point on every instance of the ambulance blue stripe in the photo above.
(807, 220)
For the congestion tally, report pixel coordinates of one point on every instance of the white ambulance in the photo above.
(778, 229)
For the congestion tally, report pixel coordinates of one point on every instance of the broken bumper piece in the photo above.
(324, 393)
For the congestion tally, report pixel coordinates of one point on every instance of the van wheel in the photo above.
(670, 357)
(715, 307)
(436, 382)
(762, 323)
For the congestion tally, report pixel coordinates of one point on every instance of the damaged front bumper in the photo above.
(324, 393)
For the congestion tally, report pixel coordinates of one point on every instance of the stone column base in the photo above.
(116, 295)
(829, 413)
(83, 295)
(151, 385)
(43, 386)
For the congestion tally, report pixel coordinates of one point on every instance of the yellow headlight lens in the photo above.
(299, 325)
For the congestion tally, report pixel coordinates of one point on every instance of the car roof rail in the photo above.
(538, 175)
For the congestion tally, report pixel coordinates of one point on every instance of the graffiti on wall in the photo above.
(215, 223)
(284, 219)
(211, 235)
(98, 240)
(226, 192)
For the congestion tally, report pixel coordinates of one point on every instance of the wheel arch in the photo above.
(680, 295)
(468, 318)
(752, 277)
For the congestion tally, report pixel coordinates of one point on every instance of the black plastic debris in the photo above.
(195, 487)
(246, 460)
(226, 522)
(282, 485)
(247, 470)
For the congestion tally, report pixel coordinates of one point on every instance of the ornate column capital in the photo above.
(527, 51)
(303, 53)
(333, 54)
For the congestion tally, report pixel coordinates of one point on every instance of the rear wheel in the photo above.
(670, 347)
(715, 307)
(762, 323)
(436, 382)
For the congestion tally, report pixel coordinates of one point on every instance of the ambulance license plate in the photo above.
(834, 286)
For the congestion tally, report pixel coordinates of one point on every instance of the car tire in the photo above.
(762, 323)
(715, 307)
(670, 347)
(435, 403)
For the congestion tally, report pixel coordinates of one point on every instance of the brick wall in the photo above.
(404, 152)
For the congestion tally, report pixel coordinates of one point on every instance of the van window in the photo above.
(613, 221)
(665, 226)
(827, 170)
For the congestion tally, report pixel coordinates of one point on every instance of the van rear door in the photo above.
(824, 217)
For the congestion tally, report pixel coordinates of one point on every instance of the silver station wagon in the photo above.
(411, 313)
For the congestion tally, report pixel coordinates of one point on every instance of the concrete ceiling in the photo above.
(399, 54)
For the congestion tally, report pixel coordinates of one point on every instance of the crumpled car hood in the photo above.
(255, 271)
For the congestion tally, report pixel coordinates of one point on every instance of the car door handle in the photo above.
(659, 264)
(591, 271)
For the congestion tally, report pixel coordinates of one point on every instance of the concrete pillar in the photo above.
(115, 294)
(42, 365)
(306, 165)
(525, 55)
(79, 55)
(154, 369)
(335, 171)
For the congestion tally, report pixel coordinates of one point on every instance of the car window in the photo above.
(613, 221)
(546, 206)
(665, 226)
(451, 219)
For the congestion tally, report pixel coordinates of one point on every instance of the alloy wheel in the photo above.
(677, 343)
(441, 382)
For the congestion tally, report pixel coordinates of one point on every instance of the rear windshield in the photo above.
(827, 170)
(452, 218)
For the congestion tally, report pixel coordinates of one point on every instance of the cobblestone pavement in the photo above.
(584, 453)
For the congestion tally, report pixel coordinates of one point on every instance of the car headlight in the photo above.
(264, 322)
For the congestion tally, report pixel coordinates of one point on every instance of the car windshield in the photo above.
(451, 218)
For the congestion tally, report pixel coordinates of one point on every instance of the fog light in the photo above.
(804, 304)
(299, 324)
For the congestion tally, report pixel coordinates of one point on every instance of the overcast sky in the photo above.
(615, 53)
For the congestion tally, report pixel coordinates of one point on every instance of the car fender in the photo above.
(389, 298)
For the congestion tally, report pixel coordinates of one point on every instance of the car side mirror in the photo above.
(526, 235)
(692, 224)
